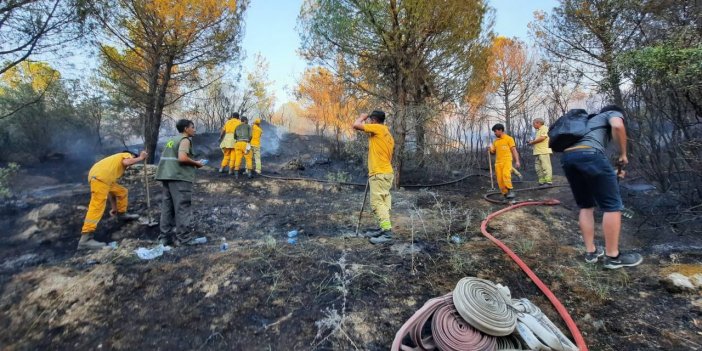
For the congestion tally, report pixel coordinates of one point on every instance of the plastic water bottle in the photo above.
(224, 246)
(292, 234)
(456, 239)
(204, 161)
(200, 240)
(292, 241)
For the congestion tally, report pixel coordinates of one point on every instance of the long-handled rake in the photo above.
(360, 213)
(492, 181)
(150, 221)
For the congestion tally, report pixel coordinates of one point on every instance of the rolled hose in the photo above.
(579, 340)
(449, 331)
(485, 306)
(472, 315)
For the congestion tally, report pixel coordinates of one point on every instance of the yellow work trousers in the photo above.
(228, 159)
(503, 172)
(257, 157)
(543, 168)
(380, 198)
(99, 192)
(239, 152)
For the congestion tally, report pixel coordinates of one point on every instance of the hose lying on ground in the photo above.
(554, 300)
(364, 184)
(487, 197)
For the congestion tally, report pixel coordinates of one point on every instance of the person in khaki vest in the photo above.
(242, 148)
(380, 172)
(176, 170)
(542, 153)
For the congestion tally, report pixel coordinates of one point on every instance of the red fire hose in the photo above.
(580, 342)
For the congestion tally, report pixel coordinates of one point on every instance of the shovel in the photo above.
(149, 221)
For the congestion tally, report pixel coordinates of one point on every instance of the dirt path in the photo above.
(329, 291)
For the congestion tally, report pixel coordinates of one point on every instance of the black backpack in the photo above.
(569, 129)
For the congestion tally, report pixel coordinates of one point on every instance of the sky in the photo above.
(270, 30)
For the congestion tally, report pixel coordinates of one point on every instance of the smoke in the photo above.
(270, 141)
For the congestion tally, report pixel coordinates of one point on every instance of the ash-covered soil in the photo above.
(329, 291)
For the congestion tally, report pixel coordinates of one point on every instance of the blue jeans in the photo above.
(592, 180)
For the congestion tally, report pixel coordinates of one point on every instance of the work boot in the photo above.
(374, 233)
(221, 169)
(509, 195)
(87, 242)
(124, 217)
(165, 239)
(248, 174)
(182, 239)
(383, 238)
(236, 174)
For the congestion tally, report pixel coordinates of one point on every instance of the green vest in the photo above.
(169, 168)
(243, 132)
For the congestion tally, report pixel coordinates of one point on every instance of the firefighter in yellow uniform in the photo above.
(242, 148)
(256, 134)
(380, 172)
(505, 151)
(227, 142)
(103, 185)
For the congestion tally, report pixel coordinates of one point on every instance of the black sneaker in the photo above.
(592, 257)
(624, 260)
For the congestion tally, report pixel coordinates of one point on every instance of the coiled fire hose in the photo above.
(480, 315)
(537, 330)
(485, 306)
(452, 333)
(448, 330)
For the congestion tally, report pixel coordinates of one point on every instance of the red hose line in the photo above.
(554, 300)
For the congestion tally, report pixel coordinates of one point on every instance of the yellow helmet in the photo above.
(257, 121)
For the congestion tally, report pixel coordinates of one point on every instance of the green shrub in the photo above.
(5, 174)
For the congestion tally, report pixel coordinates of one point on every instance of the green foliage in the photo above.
(665, 63)
(37, 123)
(338, 177)
(5, 174)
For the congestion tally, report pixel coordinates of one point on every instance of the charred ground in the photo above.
(330, 291)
